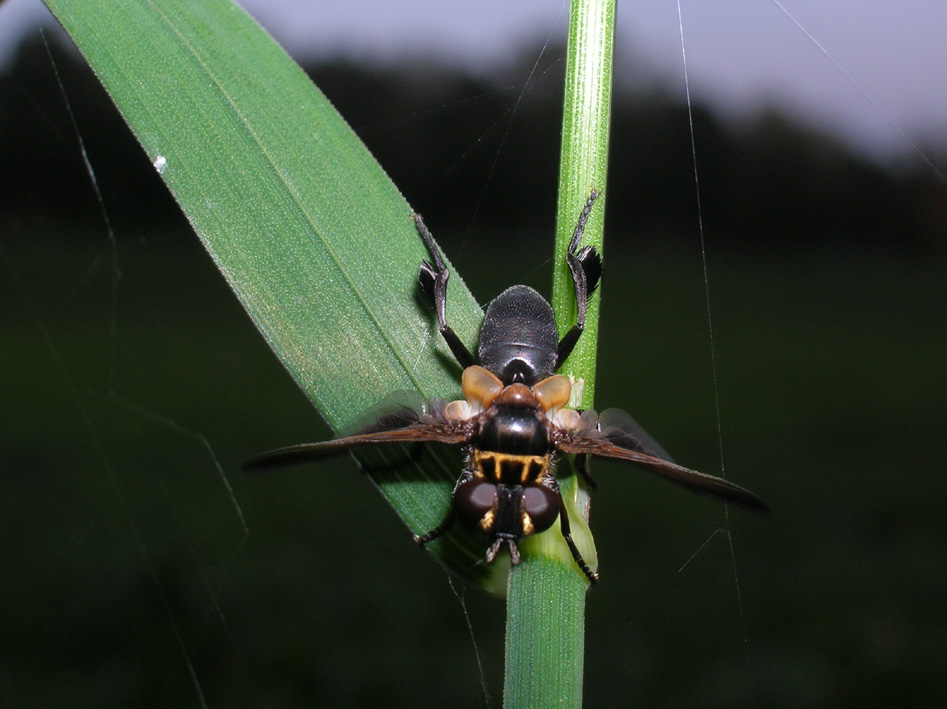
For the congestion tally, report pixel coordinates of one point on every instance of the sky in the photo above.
(872, 71)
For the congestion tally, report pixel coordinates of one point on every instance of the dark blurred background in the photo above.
(140, 567)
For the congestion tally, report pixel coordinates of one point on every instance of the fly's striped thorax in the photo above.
(510, 469)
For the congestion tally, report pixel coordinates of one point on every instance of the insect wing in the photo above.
(394, 420)
(621, 429)
(615, 434)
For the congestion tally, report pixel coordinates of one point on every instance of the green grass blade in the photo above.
(310, 233)
(546, 600)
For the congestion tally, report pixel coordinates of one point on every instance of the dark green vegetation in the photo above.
(127, 569)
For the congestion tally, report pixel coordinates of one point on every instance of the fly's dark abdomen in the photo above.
(518, 339)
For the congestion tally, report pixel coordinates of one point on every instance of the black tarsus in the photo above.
(586, 268)
(433, 279)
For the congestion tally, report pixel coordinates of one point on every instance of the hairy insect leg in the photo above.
(439, 531)
(585, 265)
(433, 278)
(567, 535)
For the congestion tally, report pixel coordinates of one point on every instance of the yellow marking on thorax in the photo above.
(510, 469)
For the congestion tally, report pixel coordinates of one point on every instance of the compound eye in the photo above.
(473, 500)
(542, 506)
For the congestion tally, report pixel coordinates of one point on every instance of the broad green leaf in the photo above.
(310, 233)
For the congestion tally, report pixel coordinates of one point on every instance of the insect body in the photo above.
(513, 421)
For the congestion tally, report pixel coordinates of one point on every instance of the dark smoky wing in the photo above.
(398, 410)
(593, 437)
(621, 429)
(398, 419)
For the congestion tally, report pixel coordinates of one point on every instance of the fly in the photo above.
(513, 422)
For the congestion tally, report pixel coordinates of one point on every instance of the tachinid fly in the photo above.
(513, 421)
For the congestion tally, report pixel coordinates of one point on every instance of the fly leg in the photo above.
(433, 279)
(439, 531)
(442, 529)
(567, 535)
(586, 268)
